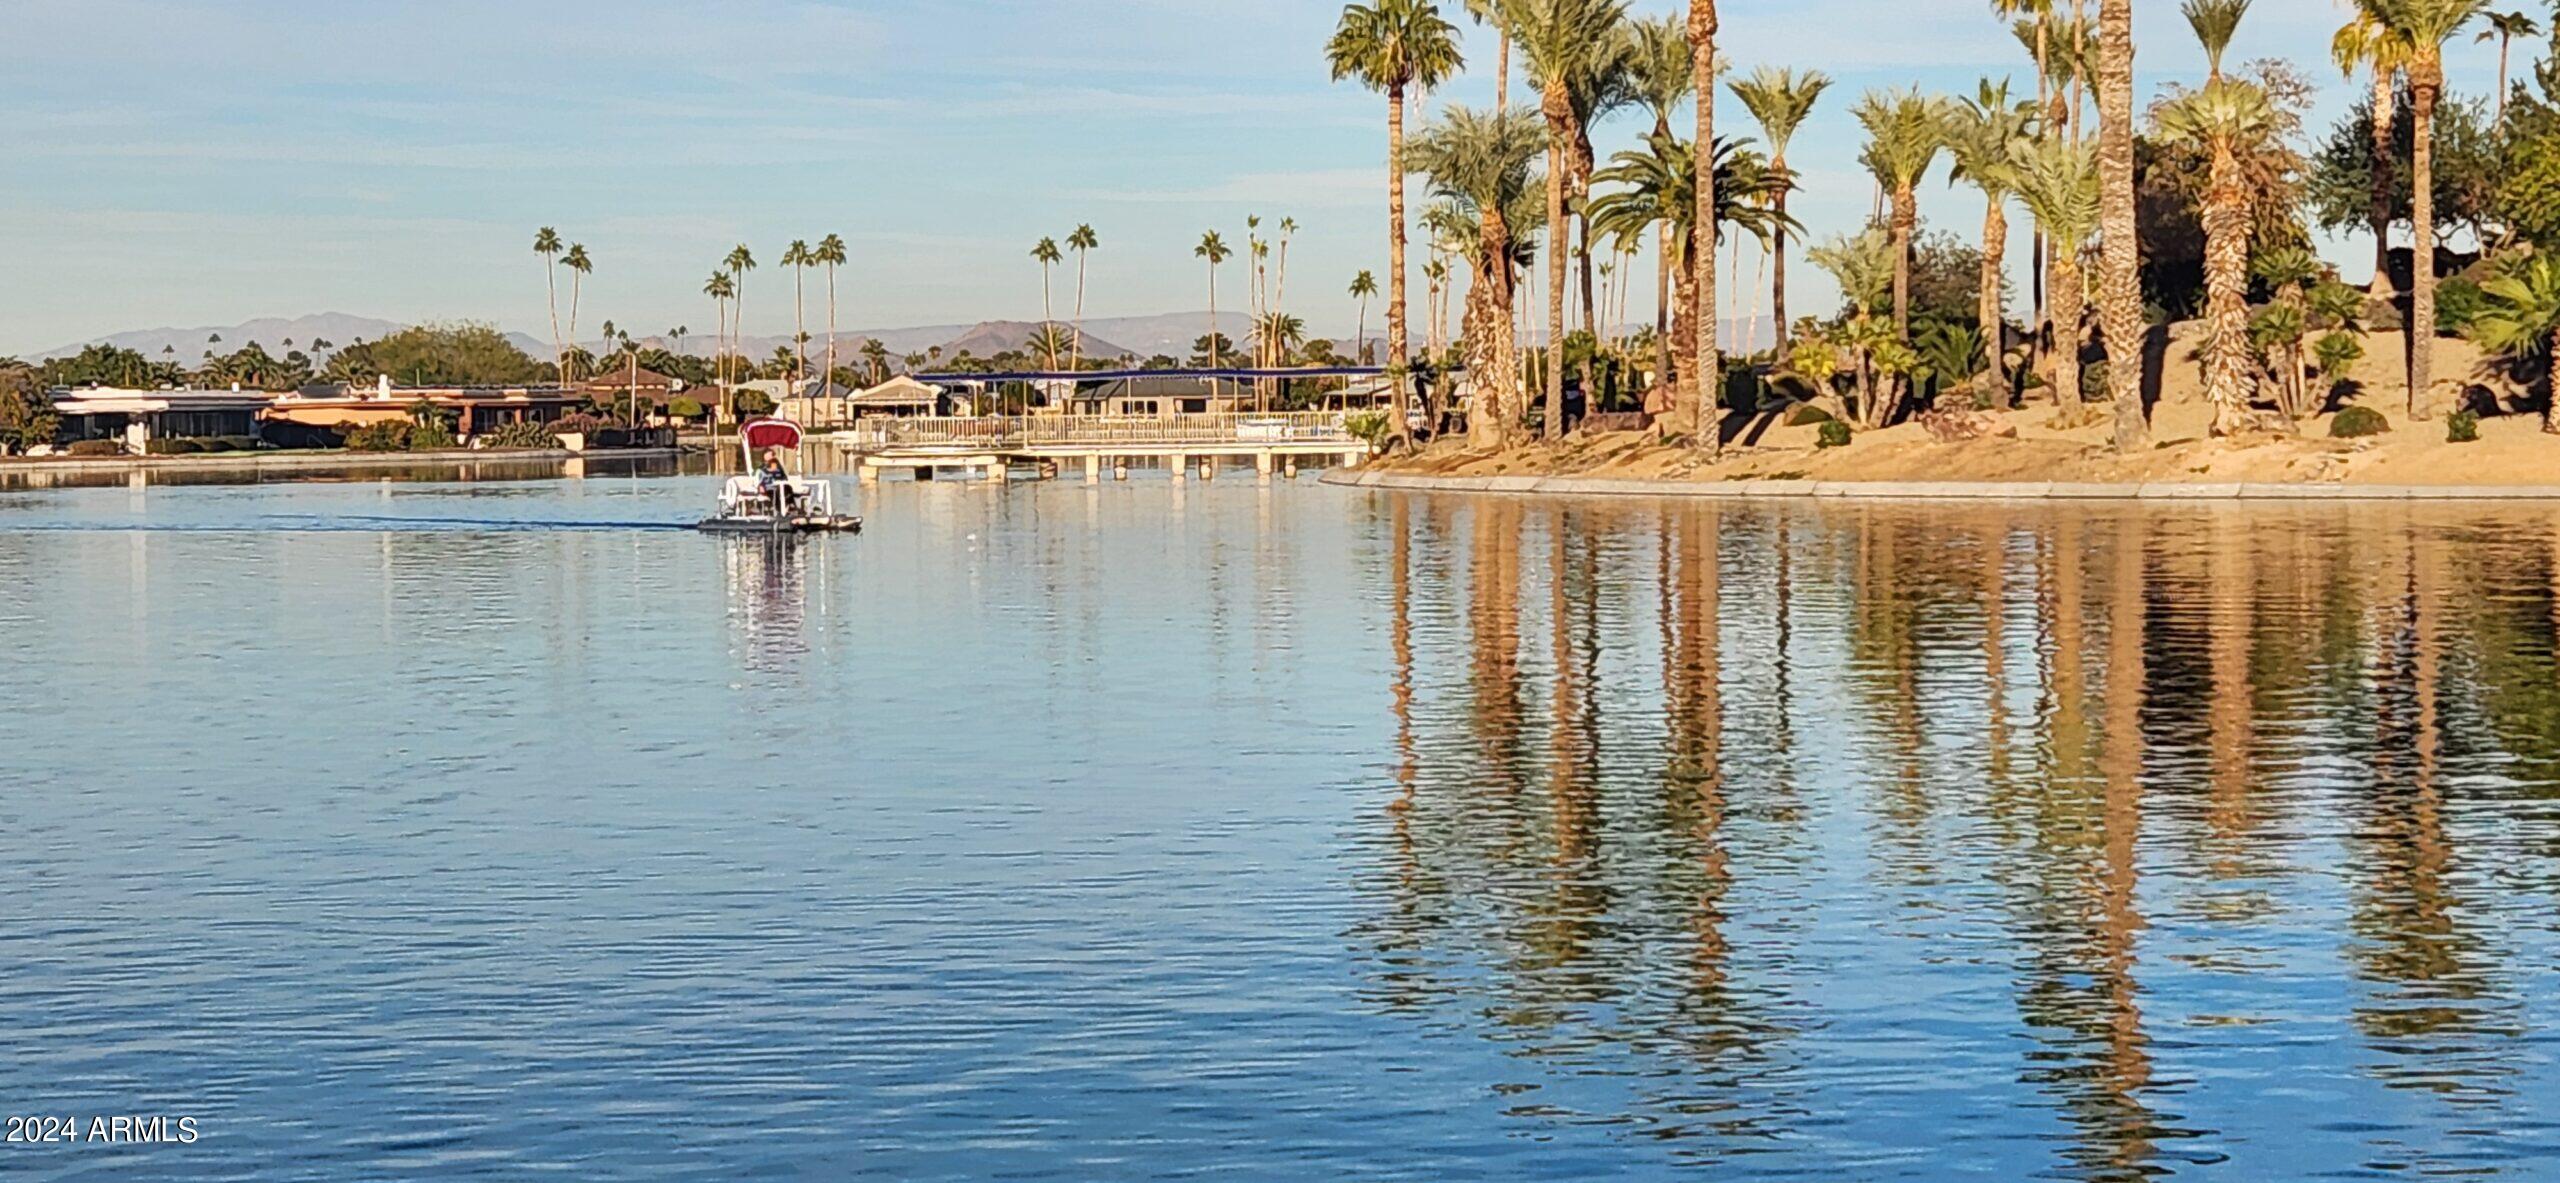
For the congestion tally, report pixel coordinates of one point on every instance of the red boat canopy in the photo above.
(760, 434)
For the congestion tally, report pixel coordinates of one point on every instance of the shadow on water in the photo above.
(2117, 832)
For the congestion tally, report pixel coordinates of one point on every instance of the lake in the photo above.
(394, 827)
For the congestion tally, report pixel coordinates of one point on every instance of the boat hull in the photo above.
(836, 524)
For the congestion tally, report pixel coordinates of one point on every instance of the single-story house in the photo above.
(136, 417)
(900, 397)
(1160, 397)
(812, 402)
(474, 409)
(617, 383)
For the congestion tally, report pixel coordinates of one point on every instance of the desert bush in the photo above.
(2462, 427)
(1373, 427)
(1835, 434)
(2458, 302)
(171, 447)
(390, 435)
(682, 407)
(2355, 422)
(520, 435)
(96, 448)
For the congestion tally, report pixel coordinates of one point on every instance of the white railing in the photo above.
(1033, 430)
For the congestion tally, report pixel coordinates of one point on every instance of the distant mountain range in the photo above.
(1142, 337)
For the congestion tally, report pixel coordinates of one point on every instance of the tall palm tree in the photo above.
(720, 288)
(1392, 46)
(579, 266)
(2369, 42)
(1655, 187)
(1780, 100)
(1905, 133)
(1082, 242)
(1214, 249)
(2504, 28)
(2036, 15)
(1046, 253)
(2120, 259)
(2424, 26)
(1985, 134)
(1710, 368)
(2226, 118)
(740, 262)
(830, 255)
(1658, 69)
(1561, 41)
(1364, 287)
(1480, 161)
(1489, 12)
(546, 243)
(799, 258)
(2059, 184)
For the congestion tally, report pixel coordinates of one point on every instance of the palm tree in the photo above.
(1905, 133)
(830, 255)
(579, 266)
(2120, 260)
(1391, 46)
(1658, 70)
(2505, 27)
(1863, 267)
(1214, 249)
(878, 355)
(741, 261)
(546, 243)
(1489, 12)
(1479, 160)
(1562, 41)
(2424, 26)
(1046, 253)
(720, 287)
(1082, 242)
(2059, 184)
(1710, 370)
(2226, 118)
(798, 257)
(1364, 286)
(1780, 100)
(2369, 42)
(2521, 318)
(1985, 133)
(1654, 187)
(2289, 272)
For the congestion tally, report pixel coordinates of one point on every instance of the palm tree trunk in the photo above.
(1395, 266)
(1213, 315)
(799, 322)
(1778, 272)
(1048, 317)
(1906, 223)
(1492, 361)
(1662, 320)
(831, 326)
(1559, 239)
(551, 288)
(2378, 202)
(1075, 351)
(2502, 81)
(1702, 68)
(577, 283)
(2063, 360)
(2551, 384)
(2422, 242)
(2120, 247)
(1987, 314)
(2226, 281)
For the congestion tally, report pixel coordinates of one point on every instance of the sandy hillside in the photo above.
(2071, 443)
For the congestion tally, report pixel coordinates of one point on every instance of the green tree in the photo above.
(1214, 249)
(1364, 287)
(580, 266)
(546, 243)
(2504, 28)
(1480, 161)
(740, 262)
(1658, 69)
(2059, 184)
(799, 258)
(1985, 135)
(2520, 321)
(830, 255)
(1905, 132)
(1781, 100)
(27, 417)
(455, 354)
(2424, 26)
(2229, 118)
(1046, 253)
(1082, 242)
(2369, 42)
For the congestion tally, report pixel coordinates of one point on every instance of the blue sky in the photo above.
(177, 162)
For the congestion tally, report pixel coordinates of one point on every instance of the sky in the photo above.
(191, 162)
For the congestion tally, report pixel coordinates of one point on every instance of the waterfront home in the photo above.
(617, 384)
(811, 402)
(1158, 396)
(900, 397)
(137, 417)
(473, 409)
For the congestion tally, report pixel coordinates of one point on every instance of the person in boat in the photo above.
(775, 481)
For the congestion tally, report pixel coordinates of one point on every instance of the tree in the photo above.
(2424, 26)
(2504, 28)
(1905, 132)
(2520, 320)
(27, 417)
(2059, 184)
(1710, 369)
(546, 243)
(2469, 188)
(741, 261)
(2369, 42)
(1214, 249)
(1391, 46)
(2289, 272)
(1658, 68)
(1045, 252)
(1480, 161)
(719, 287)
(798, 257)
(878, 355)
(1780, 100)
(1364, 286)
(830, 255)
(1863, 267)
(1985, 134)
(1565, 43)
(579, 266)
(2227, 118)
(1082, 242)
(457, 354)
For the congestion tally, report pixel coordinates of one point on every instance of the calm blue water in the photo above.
(404, 829)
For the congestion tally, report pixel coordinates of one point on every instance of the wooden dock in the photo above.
(992, 446)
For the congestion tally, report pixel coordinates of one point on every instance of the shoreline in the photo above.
(1837, 490)
(254, 461)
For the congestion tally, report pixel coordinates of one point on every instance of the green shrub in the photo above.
(2458, 302)
(2093, 382)
(2358, 421)
(753, 402)
(683, 407)
(2462, 427)
(430, 434)
(96, 448)
(1835, 434)
(171, 447)
(520, 435)
(390, 435)
(1804, 413)
(1372, 427)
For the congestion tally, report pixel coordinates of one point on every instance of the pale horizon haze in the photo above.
(182, 163)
